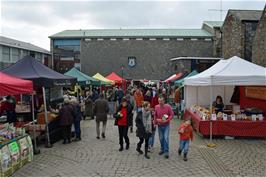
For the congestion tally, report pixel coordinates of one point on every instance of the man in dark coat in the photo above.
(66, 115)
(77, 118)
(101, 110)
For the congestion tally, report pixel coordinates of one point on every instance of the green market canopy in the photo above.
(82, 78)
(180, 82)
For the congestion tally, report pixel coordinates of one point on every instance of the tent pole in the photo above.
(211, 144)
(36, 150)
(48, 144)
(197, 93)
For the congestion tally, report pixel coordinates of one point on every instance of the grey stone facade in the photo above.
(259, 43)
(217, 41)
(152, 56)
(238, 32)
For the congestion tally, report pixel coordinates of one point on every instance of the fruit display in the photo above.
(205, 114)
(14, 154)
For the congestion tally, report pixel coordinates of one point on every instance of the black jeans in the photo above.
(123, 131)
(141, 140)
(66, 132)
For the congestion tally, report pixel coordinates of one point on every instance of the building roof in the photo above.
(105, 33)
(22, 45)
(242, 15)
(214, 24)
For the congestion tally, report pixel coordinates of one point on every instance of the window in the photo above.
(38, 56)
(6, 53)
(25, 53)
(15, 54)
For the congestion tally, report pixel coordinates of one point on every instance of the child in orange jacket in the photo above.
(186, 134)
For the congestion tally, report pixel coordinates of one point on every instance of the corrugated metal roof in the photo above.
(253, 15)
(214, 24)
(22, 45)
(104, 33)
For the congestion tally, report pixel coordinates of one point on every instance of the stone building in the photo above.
(238, 32)
(259, 42)
(142, 53)
(214, 27)
(12, 50)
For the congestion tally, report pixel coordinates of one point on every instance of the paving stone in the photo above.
(99, 158)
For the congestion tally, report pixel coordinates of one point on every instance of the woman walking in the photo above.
(88, 105)
(123, 119)
(144, 127)
(66, 115)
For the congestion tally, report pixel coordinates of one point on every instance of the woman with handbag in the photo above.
(144, 127)
(123, 119)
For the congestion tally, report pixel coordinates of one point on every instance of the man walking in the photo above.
(101, 110)
(162, 117)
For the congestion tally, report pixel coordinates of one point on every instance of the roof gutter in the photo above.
(196, 58)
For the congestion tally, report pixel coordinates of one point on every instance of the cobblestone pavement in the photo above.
(101, 158)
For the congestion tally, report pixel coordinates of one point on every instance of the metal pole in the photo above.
(123, 87)
(48, 145)
(211, 144)
(36, 150)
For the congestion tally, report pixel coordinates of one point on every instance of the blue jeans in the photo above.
(163, 131)
(184, 145)
(77, 128)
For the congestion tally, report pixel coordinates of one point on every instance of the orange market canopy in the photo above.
(114, 77)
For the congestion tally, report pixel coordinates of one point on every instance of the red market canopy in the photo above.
(114, 77)
(174, 77)
(10, 85)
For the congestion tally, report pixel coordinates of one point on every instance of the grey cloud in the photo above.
(129, 14)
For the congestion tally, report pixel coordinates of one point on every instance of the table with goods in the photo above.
(231, 122)
(16, 149)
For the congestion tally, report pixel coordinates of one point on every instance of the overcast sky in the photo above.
(34, 21)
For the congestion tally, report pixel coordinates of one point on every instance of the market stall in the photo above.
(220, 79)
(114, 77)
(104, 81)
(44, 79)
(174, 77)
(82, 78)
(16, 147)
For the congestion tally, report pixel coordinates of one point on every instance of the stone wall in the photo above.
(259, 43)
(232, 37)
(152, 56)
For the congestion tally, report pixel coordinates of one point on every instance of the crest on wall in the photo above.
(132, 61)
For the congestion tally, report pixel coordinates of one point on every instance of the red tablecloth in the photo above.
(227, 128)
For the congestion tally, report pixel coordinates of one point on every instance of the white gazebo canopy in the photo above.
(234, 71)
(221, 79)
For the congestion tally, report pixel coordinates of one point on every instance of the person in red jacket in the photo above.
(186, 133)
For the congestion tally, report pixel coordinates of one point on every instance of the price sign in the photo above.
(214, 117)
(260, 116)
(233, 117)
(204, 117)
(253, 117)
(224, 116)
(13, 147)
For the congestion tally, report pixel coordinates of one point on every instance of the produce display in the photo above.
(205, 114)
(15, 149)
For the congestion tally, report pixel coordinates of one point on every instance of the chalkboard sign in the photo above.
(256, 92)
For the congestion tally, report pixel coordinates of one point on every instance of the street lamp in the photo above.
(122, 69)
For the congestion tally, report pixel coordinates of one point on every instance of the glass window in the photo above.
(25, 53)
(15, 54)
(6, 53)
(38, 56)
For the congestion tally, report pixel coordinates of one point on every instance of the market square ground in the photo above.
(101, 158)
